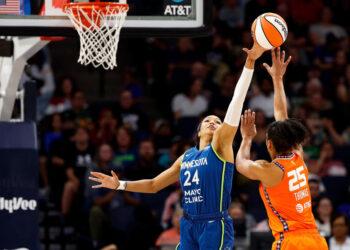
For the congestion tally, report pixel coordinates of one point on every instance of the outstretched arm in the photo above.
(223, 137)
(161, 181)
(266, 172)
(277, 71)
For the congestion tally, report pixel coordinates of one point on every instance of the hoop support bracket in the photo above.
(11, 69)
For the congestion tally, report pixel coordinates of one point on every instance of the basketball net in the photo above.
(98, 25)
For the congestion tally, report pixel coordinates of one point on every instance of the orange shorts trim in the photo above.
(299, 232)
(308, 239)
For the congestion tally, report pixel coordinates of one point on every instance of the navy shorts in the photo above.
(211, 234)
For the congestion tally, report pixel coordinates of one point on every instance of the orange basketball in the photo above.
(269, 30)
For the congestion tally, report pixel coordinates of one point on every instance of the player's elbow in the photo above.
(243, 167)
(153, 187)
(240, 163)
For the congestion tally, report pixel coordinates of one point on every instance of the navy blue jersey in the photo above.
(206, 181)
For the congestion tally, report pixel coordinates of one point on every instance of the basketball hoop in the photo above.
(98, 25)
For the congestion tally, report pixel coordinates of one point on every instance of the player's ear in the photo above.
(270, 146)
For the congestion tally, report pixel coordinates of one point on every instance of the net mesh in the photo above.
(99, 28)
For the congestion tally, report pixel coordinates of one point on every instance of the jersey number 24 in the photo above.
(194, 179)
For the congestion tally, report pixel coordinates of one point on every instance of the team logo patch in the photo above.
(299, 208)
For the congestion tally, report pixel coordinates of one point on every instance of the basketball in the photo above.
(269, 30)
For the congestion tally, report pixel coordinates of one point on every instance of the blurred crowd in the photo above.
(188, 78)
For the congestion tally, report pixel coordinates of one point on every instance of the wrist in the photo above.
(248, 137)
(250, 63)
(122, 185)
(277, 78)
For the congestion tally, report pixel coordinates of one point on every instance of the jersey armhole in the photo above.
(219, 157)
(278, 165)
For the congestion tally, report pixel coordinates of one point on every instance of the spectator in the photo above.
(167, 159)
(146, 167)
(191, 104)
(79, 108)
(188, 107)
(173, 202)
(181, 59)
(264, 100)
(340, 228)
(127, 113)
(259, 141)
(40, 71)
(243, 223)
(334, 136)
(162, 134)
(305, 12)
(326, 27)
(323, 216)
(326, 165)
(125, 153)
(220, 101)
(232, 13)
(131, 84)
(61, 100)
(100, 226)
(54, 133)
(315, 191)
(112, 211)
(103, 130)
(296, 74)
(170, 238)
(78, 161)
(59, 149)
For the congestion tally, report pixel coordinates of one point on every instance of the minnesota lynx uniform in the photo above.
(206, 181)
(288, 207)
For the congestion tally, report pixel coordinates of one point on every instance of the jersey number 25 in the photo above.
(297, 176)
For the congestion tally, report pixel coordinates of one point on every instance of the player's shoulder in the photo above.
(264, 163)
(191, 151)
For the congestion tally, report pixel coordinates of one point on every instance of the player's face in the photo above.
(210, 124)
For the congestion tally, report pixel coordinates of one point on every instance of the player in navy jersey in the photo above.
(205, 173)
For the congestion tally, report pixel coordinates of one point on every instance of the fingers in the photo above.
(96, 174)
(267, 67)
(114, 175)
(288, 61)
(283, 56)
(273, 56)
(278, 53)
(245, 50)
(95, 179)
(97, 186)
(248, 117)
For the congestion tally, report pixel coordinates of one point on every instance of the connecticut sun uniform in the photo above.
(206, 181)
(288, 207)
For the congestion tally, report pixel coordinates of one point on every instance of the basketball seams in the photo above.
(262, 29)
(278, 16)
(269, 30)
(253, 29)
(270, 17)
(278, 31)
